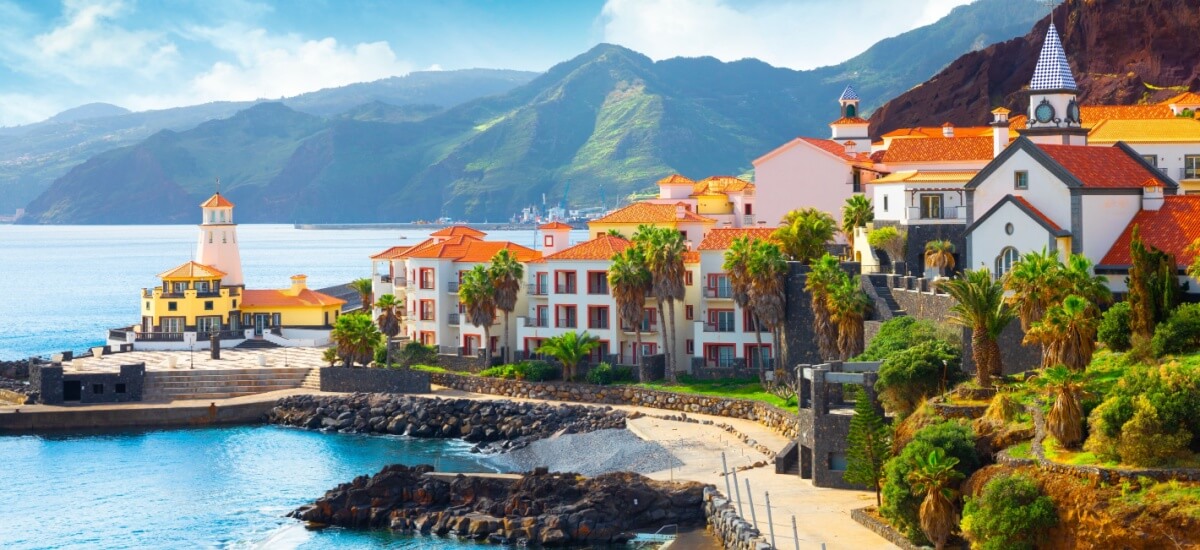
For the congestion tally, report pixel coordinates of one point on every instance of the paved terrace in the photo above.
(159, 361)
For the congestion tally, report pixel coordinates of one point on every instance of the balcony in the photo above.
(537, 290)
(1189, 173)
(452, 287)
(452, 319)
(917, 214)
(383, 278)
(647, 328)
(533, 322)
(565, 289)
(719, 293)
(747, 220)
(718, 327)
(566, 323)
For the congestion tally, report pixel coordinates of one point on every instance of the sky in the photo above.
(154, 54)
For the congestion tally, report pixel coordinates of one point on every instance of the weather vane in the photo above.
(218, 185)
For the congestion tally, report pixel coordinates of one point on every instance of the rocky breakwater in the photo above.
(538, 508)
(493, 425)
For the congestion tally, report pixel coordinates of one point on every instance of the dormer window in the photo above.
(1021, 180)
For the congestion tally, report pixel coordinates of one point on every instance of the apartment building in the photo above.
(722, 333)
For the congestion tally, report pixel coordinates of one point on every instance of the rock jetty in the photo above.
(492, 425)
(538, 508)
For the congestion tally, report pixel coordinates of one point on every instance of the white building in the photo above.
(722, 332)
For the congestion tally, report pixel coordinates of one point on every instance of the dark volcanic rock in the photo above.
(541, 508)
(1121, 53)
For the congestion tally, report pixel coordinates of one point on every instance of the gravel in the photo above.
(591, 454)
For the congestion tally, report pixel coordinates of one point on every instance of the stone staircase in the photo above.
(221, 384)
(312, 381)
(255, 343)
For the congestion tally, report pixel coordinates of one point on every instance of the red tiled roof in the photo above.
(192, 270)
(216, 201)
(456, 230)
(675, 179)
(284, 298)
(939, 149)
(720, 239)
(1037, 212)
(1186, 98)
(645, 212)
(1109, 167)
(1171, 229)
(937, 132)
(603, 247)
(691, 257)
(555, 225)
(850, 120)
(468, 249)
(720, 185)
(391, 253)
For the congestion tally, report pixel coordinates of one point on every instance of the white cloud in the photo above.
(796, 34)
(88, 41)
(18, 109)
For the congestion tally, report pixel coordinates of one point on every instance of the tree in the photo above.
(506, 273)
(870, 441)
(939, 255)
(1067, 333)
(330, 355)
(908, 376)
(1011, 513)
(478, 293)
(736, 266)
(890, 240)
(933, 476)
(980, 307)
(570, 349)
(767, 269)
(664, 248)
(629, 281)
(1032, 282)
(824, 274)
(1153, 287)
(804, 233)
(364, 289)
(614, 233)
(356, 338)
(389, 320)
(857, 212)
(1065, 421)
(847, 304)
(1078, 279)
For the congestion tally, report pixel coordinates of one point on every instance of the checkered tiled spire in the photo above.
(1052, 71)
(848, 93)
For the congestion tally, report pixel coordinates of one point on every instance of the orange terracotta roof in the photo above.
(1037, 213)
(285, 298)
(1000, 111)
(555, 225)
(955, 149)
(691, 257)
(216, 201)
(1147, 130)
(1109, 167)
(603, 247)
(850, 120)
(456, 230)
(1186, 98)
(192, 270)
(1170, 229)
(467, 249)
(936, 131)
(720, 185)
(675, 179)
(645, 212)
(392, 253)
(1093, 114)
(721, 238)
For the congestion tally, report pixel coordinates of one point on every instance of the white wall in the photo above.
(801, 176)
(1104, 218)
(1046, 192)
(989, 238)
(1170, 155)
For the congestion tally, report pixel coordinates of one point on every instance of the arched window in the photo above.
(1005, 261)
(851, 111)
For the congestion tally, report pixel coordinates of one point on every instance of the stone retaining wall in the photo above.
(775, 418)
(881, 528)
(384, 380)
(734, 532)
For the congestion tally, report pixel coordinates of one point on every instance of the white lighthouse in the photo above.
(218, 246)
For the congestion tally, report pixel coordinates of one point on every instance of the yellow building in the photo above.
(200, 298)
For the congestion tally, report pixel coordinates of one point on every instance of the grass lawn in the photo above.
(1023, 450)
(1183, 498)
(729, 387)
(431, 368)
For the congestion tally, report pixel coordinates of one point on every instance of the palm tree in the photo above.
(1065, 421)
(330, 355)
(847, 304)
(825, 273)
(939, 255)
(356, 338)
(506, 274)
(478, 293)
(629, 281)
(364, 290)
(980, 308)
(1078, 279)
(614, 233)
(664, 248)
(1068, 333)
(890, 240)
(569, 348)
(857, 212)
(1033, 284)
(933, 476)
(767, 269)
(803, 234)
(646, 238)
(736, 265)
(389, 321)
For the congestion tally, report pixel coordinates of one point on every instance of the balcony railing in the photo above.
(384, 278)
(599, 291)
(452, 319)
(646, 327)
(452, 287)
(720, 292)
(1189, 173)
(535, 290)
(564, 289)
(534, 322)
(566, 323)
(718, 327)
(748, 219)
(944, 213)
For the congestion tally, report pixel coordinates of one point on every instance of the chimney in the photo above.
(999, 130)
(851, 147)
(948, 130)
(1152, 195)
(299, 283)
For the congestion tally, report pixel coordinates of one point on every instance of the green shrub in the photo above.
(381, 355)
(1146, 442)
(605, 374)
(900, 502)
(530, 371)
(1010, 514)
(910, 375)
(1114, 327)
(1172, 391)
(897, 334)
(416, 353)
(1180, 333)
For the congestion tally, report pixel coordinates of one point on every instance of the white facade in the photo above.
(719, 331)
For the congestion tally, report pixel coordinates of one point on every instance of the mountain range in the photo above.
(604, 124)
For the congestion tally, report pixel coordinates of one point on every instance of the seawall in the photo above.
(152, 415)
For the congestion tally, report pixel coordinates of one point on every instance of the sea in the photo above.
(62, 286)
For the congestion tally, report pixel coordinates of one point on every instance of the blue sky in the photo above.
(144, 54)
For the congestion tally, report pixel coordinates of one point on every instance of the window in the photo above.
(471, 344)
(208, 324)
(649, 321)
(426, 278)
(120, 388)
(542, 318)
(172, 306)
(931, 206)
(856, 186)
(564, 282)
(235, 304)
(428, 338)
(208, 305)
(1005, 261)
(1152, 160)
(755, 353)
(172, 324)
(719, 355)
(180, 287)
(837, 461)
(426, 310)
(885, 203)
(97, 389)
(1191, 167)
(1020, 180)
(687, 278)
(689, 312)
(548, 241)
(598, 317)
(750, 322)
(597, 282)
(599, 353)
(565, 317)
(541, 283)
(718, 286)
(201, 286)
(851, 111)
(749, 209)
(720, 320)
(684, 234)
(690, 346)
(276, 320)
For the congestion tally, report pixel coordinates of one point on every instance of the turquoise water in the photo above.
(198, 488)
(62, 287)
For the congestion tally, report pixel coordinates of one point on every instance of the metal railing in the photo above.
(943, 213)
(564, 289)
(534, 322)
(718, 327)
(452, 287)
(1189, 173)
(566, 323)
(646, 327)
(452, 319)
(721, 292)
(537, 290)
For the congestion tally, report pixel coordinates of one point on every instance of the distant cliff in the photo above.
(1121, 51)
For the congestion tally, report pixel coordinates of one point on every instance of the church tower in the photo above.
(1053, 106)
(218, 246)
(851, 127)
